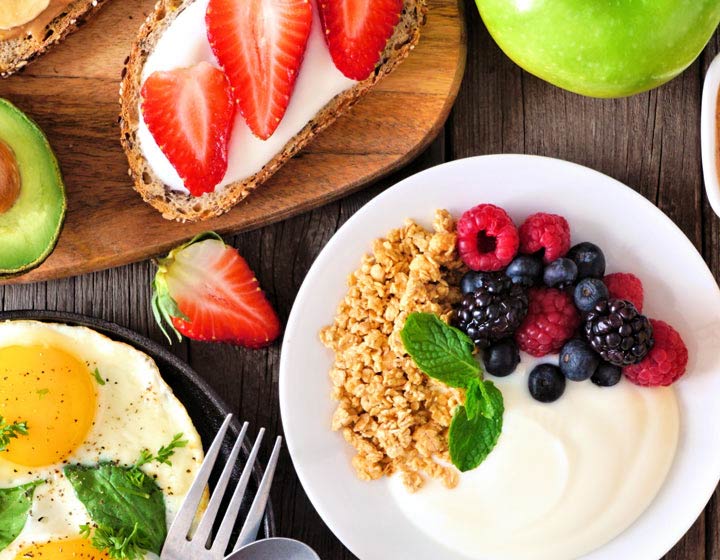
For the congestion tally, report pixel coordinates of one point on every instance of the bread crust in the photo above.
(18, 52)
(182, 207)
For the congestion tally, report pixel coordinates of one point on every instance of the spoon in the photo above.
(274, 549)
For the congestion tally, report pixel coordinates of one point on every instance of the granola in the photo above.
(395, 416)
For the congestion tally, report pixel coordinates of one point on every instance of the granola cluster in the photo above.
(395, 416)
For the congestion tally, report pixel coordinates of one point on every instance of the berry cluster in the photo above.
(530, 290)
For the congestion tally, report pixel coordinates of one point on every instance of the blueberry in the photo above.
(501, 358)
(471, 282)
(578, 361)
(589, 292)
(560, 273)
(589, 259)
(525, 270)
(546, 383)
(606, 375)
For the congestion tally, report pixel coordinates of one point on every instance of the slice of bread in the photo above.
(178, 206)
(18, 52)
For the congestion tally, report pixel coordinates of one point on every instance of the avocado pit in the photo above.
(9, 178)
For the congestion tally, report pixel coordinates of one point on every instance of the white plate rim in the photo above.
(711, 472)
(709, 134)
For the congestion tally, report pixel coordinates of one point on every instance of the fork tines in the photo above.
(180, 543)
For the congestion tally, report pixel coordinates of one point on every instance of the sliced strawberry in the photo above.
(357, 31)
(260, 44)
(190, 113)
(206, 291)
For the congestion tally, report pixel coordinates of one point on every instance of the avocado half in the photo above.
(32, 216)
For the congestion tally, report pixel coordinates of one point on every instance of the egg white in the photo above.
(136, 410)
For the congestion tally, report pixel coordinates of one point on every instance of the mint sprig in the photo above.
(473, 438)
(442, 352)
(446, 354)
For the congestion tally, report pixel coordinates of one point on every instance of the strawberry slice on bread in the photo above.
(357, 31)
(206, 291)
(260, 44)
(190, 113)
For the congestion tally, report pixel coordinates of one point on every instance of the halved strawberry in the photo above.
(357, 31)
(190, 113)
(205, 290)
(260, 44)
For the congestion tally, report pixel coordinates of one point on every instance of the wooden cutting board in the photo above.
(72, 93)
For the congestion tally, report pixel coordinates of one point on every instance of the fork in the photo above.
(180, 544)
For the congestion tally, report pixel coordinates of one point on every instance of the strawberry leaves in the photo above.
(205, 290)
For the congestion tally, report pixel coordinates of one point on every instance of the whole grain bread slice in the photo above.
(178, 206)
(18, 52)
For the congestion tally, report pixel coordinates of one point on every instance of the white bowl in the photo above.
(635, 236)
(709, 135)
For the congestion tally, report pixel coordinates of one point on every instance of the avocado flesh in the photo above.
(30, 228)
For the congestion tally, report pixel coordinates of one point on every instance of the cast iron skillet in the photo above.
(205, 408)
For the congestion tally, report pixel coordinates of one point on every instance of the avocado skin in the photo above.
(32, 128)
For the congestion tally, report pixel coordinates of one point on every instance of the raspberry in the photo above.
(622, 285)
(545, 231)
(665, 363)
(551, 321)
(487, 238)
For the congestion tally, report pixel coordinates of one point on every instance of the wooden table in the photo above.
(650, 142)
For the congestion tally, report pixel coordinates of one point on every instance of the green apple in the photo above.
(602, 48)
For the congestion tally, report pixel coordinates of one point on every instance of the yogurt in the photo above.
(184, 43)
(564, 478)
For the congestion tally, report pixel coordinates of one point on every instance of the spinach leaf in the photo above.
(15, 506)
(121, 503)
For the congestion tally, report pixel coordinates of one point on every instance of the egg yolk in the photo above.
(62, 550)
(54, 394)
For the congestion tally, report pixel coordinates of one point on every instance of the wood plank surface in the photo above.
(73, 94)
(650, 142)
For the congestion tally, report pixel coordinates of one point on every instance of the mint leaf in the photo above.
(15, 506)
(473, 400)
(472, 438)
(439, 350)
(445, 353)
(487, 408)
(123, 507)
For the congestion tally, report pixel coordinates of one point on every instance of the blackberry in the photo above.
(493, 311)
(617, 332)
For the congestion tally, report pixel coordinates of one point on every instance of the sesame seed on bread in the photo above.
(175, 205)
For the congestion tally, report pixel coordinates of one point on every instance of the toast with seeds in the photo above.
(181, 206)
(49, 24)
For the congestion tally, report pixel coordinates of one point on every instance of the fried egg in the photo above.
(86, 399)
